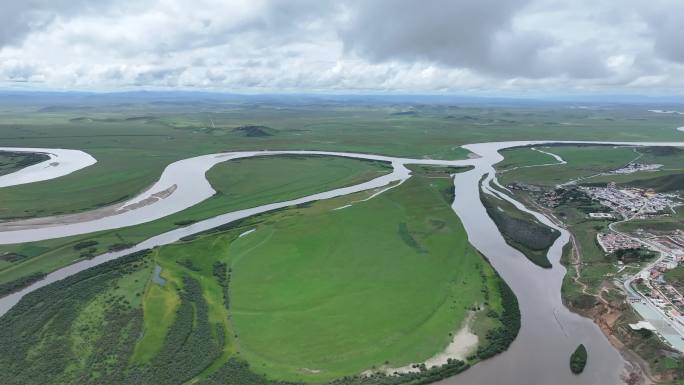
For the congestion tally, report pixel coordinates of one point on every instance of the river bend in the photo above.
(549, 331)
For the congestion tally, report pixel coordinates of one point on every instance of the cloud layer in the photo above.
(495, 46)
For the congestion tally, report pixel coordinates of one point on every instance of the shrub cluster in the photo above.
(578, 359)
(222, 273)
(189, 346)
(499, 339)
(639, 254)
(85, 244)
(522, 234)
(188, 264)
(422, 377)
(20, 283)
(237, 372)
(35, 335)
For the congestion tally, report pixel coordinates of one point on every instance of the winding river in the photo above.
(62, 162)
(549, 332)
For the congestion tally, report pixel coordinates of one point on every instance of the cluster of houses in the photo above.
(636, 167)
(632, 201)
(611, 242)
(663, 293)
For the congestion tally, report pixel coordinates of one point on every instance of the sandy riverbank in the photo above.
(90, 215)
(463, 343)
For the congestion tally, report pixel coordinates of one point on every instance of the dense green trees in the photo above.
(85, 244)
(36, 345)
(191, 345)
(422, 377)
(499, 339)
(237, 372)
(578, 359)
(18, 284)
(521, 231)
(634, 255)
(222, 273)
(13, 161)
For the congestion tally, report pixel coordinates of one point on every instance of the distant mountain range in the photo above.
(68, 97)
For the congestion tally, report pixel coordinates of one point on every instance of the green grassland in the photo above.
(400, 278)
(583, 161)
(401, 260)
(516, 157)
(312, 295)
(135, 137)
(588, 161)
(239, 184)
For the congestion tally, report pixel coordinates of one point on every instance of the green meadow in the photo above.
(239, 184)
(383, 282)
(583, 162)
(312, 295)
(133, 140)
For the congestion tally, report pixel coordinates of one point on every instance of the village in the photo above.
(642, 258)
(656, 299)
(636, 167)
(633, 203)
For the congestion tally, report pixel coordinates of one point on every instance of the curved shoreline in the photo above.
(191, 188)
(62, 162)
(549, 330)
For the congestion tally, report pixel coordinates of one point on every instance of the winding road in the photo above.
(549, 332)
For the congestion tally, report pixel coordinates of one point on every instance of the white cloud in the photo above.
(310, 45)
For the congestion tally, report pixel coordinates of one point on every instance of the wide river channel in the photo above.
(549, 332)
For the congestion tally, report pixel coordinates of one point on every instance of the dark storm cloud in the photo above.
(18, 18)
(344, 44)
(459, 33)
(666, 24)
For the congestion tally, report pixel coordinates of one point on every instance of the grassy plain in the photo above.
(408, 267)
(312, 295)
(401, 260)
(583, 161)
(135, 136)
(240, 184)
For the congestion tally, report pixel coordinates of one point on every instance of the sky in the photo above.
(493, 47)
